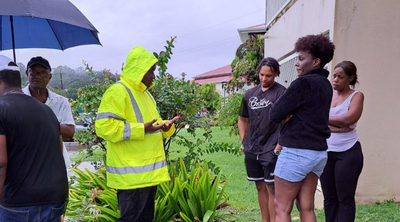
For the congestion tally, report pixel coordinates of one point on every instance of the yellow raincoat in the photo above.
(135, 159)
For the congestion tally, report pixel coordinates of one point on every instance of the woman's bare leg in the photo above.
(305, 198)
(285, 194)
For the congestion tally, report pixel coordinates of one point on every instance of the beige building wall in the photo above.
(305, 17)
(367, 32)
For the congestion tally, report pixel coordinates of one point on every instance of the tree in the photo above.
(89, 99)
(208, 93)
(74, 79)
(244, 66)
(177, 97)
(244, 71)
(22, 70)
(229, 111)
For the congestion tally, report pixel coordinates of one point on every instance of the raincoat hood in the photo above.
(138, 62)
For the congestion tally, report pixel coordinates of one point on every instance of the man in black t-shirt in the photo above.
(259, 135)
(33, 178)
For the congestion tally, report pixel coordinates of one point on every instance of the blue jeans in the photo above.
(43, 213)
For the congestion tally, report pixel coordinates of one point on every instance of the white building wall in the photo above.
(305, 17)
(219, 89)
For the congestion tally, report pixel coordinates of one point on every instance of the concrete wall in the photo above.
(367, 32)
(305, 17)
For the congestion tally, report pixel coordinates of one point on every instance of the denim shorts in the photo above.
(294, 164)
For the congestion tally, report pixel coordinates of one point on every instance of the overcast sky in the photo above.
(206, 31)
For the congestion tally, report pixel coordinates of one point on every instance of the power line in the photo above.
(220, 23)
(203, 48)
(212, 26)
(199, 48)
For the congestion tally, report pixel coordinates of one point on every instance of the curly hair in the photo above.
(271, 62)
(318, 46)
(350, 69)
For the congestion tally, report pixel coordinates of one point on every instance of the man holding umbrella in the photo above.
(39, 75)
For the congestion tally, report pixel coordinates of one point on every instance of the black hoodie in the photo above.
(308, 99)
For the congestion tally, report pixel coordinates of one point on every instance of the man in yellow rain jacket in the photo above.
(130, 123)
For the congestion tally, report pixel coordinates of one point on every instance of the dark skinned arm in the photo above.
(67, 131)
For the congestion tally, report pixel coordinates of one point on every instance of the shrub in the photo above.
(230, 109)
(195, 196)
(209, 94)
(90, 199)
(244, 65)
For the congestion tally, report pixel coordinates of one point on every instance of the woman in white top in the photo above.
(345, 158)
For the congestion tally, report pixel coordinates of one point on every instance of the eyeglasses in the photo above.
(42, 74)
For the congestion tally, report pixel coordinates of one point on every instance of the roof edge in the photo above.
(212, 75)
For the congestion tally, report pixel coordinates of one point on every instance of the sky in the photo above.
(206, 31)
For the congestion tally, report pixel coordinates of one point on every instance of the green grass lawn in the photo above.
(82, 155)
(243, 194)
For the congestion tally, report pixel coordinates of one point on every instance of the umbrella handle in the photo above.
(12, 34)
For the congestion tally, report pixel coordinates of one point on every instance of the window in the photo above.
(288, 70)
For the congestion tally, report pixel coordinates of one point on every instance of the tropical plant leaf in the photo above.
(208, 216)
(108, 211)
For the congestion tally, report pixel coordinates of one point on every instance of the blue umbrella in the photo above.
(53, 24)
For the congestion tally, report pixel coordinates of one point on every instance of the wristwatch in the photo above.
(277, 152)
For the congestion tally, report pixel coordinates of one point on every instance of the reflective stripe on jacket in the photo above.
(134, 159)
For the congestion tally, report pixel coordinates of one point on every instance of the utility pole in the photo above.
(61, 80)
